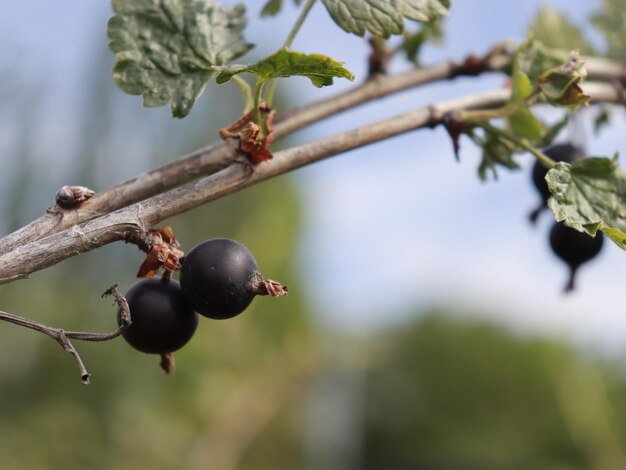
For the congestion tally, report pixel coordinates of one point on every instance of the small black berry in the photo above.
(162, 319)
(559, 153)
(574, 247)
(220, 278)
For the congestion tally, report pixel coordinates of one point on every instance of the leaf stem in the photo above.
(271, 91)
(296, 27)
(247, 93)
(520, 142)
(257, 99)
(271, 88)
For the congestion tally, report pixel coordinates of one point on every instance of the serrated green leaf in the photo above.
(383, 17)
(556, 31)
(318, 68)
(166, 50)
(590, 195)
(560, 85)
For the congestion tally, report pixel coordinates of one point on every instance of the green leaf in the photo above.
(273, 7)
(496, 152)
(166, 50)
(318, 68)
(412, 43)
(590, 195)
(602, 119)
(611, 22)
(555, 30)
(535, 59)
(523, 122)
(383, 17)
(551, 132)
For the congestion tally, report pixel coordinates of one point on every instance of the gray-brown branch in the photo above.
(217, 156)
(133, 222)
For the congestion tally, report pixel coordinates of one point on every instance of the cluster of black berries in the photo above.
(572, 246)
(219, 278)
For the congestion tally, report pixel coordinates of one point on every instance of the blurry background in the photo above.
(425, 325)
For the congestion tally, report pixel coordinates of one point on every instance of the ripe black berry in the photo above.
(220, 278)
(559, 153)
(162, 319)
(573, 247)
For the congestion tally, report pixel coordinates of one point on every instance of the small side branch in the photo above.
(63, 337)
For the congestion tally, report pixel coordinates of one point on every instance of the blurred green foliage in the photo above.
(447, 394)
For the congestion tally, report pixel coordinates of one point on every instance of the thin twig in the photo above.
(133, 222)
(63, 337)
(215, 157)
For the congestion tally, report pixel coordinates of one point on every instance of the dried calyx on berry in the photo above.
(220, 278)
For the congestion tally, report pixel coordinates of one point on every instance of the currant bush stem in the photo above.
(523, 143)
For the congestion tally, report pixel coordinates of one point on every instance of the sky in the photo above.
(398, 226)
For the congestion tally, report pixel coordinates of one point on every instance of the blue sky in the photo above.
(399, 224)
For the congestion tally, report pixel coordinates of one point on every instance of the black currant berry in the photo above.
(220, 278)
(559, 153)
(573, 247)
(162, 319)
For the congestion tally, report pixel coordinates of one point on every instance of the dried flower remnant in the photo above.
(163, 253)
(254, 139)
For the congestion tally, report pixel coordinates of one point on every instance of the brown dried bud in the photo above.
(72, 196)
